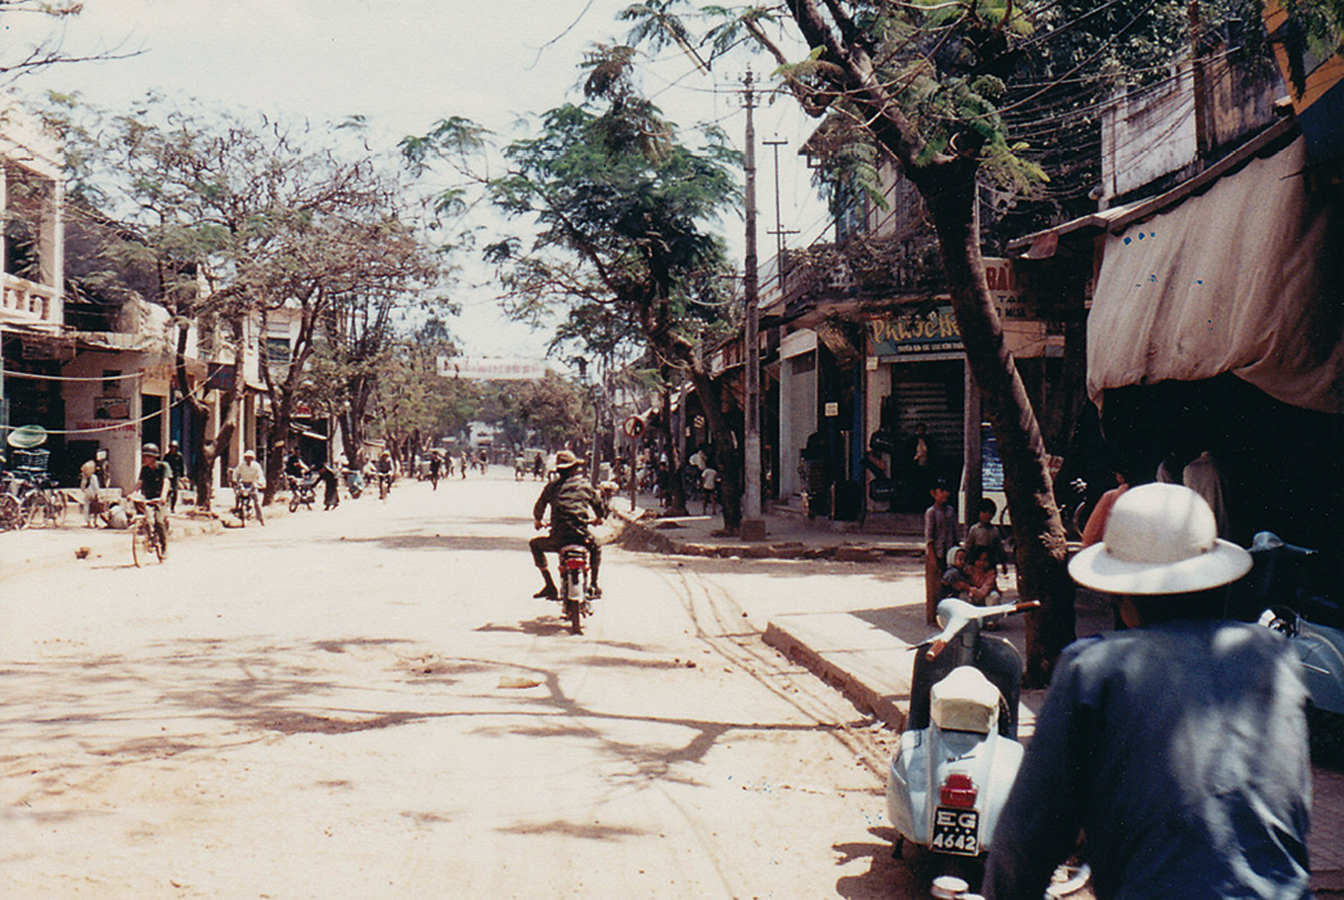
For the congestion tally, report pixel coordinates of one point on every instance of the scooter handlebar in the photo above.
(958, 613)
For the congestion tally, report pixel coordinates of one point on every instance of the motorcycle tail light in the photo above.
(574, 562)
(958, 791)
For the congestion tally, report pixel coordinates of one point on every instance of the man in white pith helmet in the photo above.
(1178, 747)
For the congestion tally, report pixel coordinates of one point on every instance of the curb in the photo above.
(873, 672)
(637, 536)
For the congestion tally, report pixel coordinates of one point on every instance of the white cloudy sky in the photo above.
(404, 64)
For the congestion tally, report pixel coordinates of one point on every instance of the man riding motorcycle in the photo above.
(249, 474)
(569, 497)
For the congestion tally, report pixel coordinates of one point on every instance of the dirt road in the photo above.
(368, 703)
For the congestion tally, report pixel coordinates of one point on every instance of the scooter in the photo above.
(959, 754)
(1292, 601)
(575, 586)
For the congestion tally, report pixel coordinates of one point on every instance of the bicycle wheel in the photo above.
(139, 544)
(158, 543)
(58, 506)
(34, 511)
(11, 514)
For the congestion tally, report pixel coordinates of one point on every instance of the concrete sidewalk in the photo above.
(868, 653)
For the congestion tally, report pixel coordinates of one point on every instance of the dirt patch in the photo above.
(305, 723)
(635, 536)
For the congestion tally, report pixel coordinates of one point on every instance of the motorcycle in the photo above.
(575, 586)
(302, 491)
(245, 501)
(959, 753)
(1291, 600)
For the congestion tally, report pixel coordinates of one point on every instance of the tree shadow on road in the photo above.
(463, 542)
(887, 877)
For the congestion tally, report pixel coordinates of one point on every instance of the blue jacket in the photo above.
(1180, 751)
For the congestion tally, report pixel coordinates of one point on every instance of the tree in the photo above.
(247, 221)
(549, 413)
(621, 210)
(411, 403)
(39, 47)
(929, 83)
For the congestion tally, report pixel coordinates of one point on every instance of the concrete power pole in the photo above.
(753, 526)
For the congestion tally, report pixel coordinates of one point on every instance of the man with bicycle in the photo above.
(154, 483)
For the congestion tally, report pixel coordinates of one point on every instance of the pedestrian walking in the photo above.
(178, 466)
(89, 487)
(709, 487)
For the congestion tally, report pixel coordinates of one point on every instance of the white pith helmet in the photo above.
(1159, 539)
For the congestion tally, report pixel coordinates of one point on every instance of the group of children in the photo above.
(968, 570)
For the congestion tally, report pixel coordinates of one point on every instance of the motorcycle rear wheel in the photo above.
(574, 612)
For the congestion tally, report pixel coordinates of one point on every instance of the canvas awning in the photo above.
(1247, 277)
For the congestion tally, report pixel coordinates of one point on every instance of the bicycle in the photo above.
(146, 536)
(40, 501)
(11, 513)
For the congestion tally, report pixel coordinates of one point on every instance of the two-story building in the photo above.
(1215, 329)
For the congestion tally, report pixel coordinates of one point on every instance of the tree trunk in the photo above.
(277, 445)
(676, 501)
(950, 192)
(727, 453)
(210, 449)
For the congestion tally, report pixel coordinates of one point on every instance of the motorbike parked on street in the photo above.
(576, 591)
(302, 491)
(1287, 587)
(959, 753)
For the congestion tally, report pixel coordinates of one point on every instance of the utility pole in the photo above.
(753, 526)
(779, 231)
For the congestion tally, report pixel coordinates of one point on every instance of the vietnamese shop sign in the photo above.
(916, 332)
(924, 330)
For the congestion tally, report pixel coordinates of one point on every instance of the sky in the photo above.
(404, 64)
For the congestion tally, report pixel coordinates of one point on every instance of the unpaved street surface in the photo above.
(368, 703)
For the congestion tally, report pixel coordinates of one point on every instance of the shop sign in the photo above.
(916, 332)
(926, 331)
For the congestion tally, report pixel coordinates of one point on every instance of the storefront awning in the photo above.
(1246, 277)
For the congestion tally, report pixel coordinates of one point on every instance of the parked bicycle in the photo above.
(40, 501)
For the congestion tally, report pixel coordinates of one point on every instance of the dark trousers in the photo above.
(551, 543)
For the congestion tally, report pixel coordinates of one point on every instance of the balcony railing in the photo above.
(28, 301)
(863, 267)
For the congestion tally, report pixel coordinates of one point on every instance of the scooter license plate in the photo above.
(956, 831)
